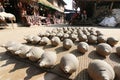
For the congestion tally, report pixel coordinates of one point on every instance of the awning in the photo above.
(97, 0)
(48, 4)
(60, 10)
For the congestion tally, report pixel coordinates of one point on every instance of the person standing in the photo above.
(19, 10)
(48, 22)
(2, 8)
(84, 16)
(73, 17)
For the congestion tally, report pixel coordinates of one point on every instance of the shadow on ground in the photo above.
(49, 76)
(3, 56)
(94, 55)
(114, 57)
(11, 60)
(32, 67)
(19, 64)
(60, 49)
(48, 46)
(32, 71)
(76, 53)
(83, 75)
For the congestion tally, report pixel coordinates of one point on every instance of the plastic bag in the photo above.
(108, 21)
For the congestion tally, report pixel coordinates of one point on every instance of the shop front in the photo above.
(34, 12)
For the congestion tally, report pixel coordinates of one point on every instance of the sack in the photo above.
(108, 21)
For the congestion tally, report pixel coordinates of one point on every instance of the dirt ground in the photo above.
(12, 69)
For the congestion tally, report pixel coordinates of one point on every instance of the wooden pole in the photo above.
(95, 7)
(111, 6)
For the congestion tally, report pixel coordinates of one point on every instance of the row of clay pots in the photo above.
(45, 59)
(69, 62)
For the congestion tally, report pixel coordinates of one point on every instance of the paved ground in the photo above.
(12, 69)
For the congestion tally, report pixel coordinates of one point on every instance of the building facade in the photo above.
(59, 14)
(96, 7)
(32, 8)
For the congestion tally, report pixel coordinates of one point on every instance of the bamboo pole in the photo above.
(111, 6)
